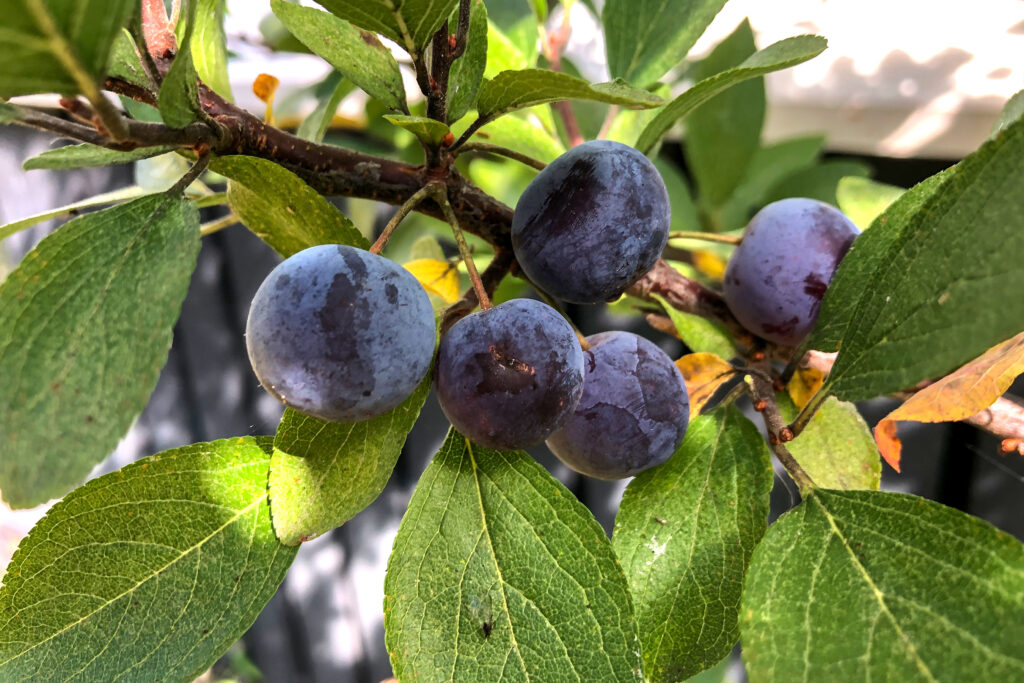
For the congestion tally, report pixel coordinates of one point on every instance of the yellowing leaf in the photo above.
(264, 87)
(709, 263)
(956, 396)
(705, 373)
(437, 277)
(889, 444)
(804, 384)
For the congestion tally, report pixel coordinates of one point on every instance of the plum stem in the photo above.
(761, 390)
(488, 148)
(492, 276)
(806, 413)
(191, 175)
(440, 194)
(217, 225)
(706, 237)
(404, 210)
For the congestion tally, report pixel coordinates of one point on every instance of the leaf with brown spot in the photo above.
(705, 374)
(956, 396)
(804, 384)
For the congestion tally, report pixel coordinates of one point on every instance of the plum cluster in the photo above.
(587, 227)
(345, 335)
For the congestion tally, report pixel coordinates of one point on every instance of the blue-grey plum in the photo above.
(508, 376)
(340, 334)
(777, 276)
(633, 413)
(592, 222)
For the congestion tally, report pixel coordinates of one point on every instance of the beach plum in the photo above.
(633, 413)
(777, 276)
(508, 376)
(592, 222)
(340, 334)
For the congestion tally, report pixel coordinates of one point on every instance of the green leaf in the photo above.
(723, 134)
(140, 111)
(468, 70)
(684, 534)
(937, 278)
(85, 327)
(863, 200)
(410, 23)
(700, 334)
(88, 156)
(314, 127)
(511, 90)
(518, 27)
(179, 94)
(645, 38)
(499, 573)
(540, 9)
(426, 247)
(324, 473)
(781, 55)
(684, 212)
(281, 208)
(836, 448)
(429, 131)
(125, 61)
(1013, 111)
(59, 46)
(147, 573)
(209, 47)
(628, 124)
(767, 168)
(853, 278)
(502, 52)
(819, 181)
(114, 197)
(8, 113)
(862, 585)
(590, 115)
(357, 55)
(523, 136)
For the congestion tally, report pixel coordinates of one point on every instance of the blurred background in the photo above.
(906, 88)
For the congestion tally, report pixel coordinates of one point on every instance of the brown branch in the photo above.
(662, 324)
(157, 31)
(762, 393)
(1005, 419)
(440, 67)
(488, 148)
(690, 296)
(462, 31)
(140, 133)
(130, 90)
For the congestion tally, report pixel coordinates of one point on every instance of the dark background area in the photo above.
(325, 623)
